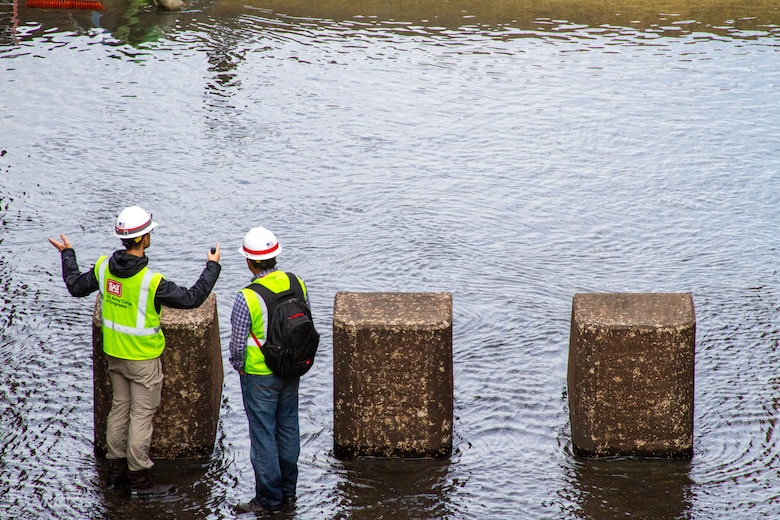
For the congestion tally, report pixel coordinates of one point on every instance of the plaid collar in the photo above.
(264, 273)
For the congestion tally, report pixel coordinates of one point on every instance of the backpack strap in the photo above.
(296, 286)
(272, 299)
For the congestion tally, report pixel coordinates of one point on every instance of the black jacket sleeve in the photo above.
(171, 295)
(78, 283)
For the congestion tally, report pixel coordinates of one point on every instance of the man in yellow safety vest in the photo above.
(270, 401)
(132, 297)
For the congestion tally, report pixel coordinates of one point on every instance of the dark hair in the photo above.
(131, 243)
(264, 265)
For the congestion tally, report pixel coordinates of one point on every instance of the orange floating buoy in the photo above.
(65, 4)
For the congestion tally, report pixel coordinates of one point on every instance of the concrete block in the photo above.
(185, 425)
(393, 374)
(631, 374)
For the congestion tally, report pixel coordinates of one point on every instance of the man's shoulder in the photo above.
(240, 303)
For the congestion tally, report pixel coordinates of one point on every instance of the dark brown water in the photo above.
(512, 153)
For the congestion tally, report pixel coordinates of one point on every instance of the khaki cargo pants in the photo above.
(136, 389)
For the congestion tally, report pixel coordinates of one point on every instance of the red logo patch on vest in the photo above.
(114, 288)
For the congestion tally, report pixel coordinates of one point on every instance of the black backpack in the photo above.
(292, 340)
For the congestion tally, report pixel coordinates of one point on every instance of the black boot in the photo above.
(142, 485)
(117, 474)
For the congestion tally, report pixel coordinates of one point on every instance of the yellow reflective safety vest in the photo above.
(276, 281)
(131, 324)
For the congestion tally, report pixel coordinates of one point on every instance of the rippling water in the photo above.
(510, 152)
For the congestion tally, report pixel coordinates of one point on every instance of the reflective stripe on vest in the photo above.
(131, 324)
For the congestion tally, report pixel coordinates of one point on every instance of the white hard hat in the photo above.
(133, 222)
(260, 244)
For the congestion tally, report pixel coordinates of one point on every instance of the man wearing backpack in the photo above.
(270, 400)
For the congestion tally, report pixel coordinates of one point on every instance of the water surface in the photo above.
(512, 153)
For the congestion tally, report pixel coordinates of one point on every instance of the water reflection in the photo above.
(632, 488)
(139, 22)
(193, 496)
(375, 488)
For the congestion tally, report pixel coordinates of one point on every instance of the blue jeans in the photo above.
(271, 405)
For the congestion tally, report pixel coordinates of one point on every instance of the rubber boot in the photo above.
(117, 474)
(142, 485)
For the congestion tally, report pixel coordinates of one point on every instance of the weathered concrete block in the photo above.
(631, 374)
(392, 374)
(185, 425)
